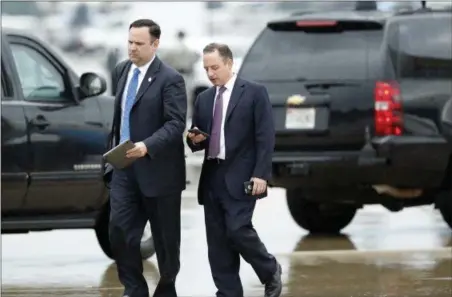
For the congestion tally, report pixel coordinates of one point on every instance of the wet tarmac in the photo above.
(379, 254)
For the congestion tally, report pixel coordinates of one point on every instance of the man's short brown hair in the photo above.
(223, 50)
(153, 27)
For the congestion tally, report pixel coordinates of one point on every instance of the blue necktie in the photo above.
(130, 99)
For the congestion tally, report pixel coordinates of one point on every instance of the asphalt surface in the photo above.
(380, 254)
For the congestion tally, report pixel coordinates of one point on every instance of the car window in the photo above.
(421, 48)
(6, 86)
(290, 54)
(40, 80)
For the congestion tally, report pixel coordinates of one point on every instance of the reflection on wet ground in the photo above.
(347, 272)
(380, 254)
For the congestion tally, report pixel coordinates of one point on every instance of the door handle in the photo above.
(40, 122)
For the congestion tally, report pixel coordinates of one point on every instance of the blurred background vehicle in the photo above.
(360, 101)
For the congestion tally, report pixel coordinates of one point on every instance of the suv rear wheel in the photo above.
(444, 204)
(147, 243)
(316, 217)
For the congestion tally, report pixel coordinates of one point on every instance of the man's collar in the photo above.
(230, 84)
(144, 69)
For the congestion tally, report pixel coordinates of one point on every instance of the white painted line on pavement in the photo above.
(444, 252)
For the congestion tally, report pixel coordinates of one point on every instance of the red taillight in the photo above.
(388, 109)
(308, 23)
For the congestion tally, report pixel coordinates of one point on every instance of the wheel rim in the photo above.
(147, 234)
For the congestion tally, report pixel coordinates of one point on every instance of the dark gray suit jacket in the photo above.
(158, 118)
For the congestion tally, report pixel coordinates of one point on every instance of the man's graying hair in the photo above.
(223, 50)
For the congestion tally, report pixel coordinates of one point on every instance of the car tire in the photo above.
(444, 204)
(101, 229)
(316, 217)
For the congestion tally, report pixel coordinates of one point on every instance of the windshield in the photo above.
(292, 55)
(19, 8)
(422, 48)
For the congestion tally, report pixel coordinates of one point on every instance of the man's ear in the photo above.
(156, 43)
(230, 63)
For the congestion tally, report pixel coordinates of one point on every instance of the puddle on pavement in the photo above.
(325, 267)
(340, 273)
(410, 274)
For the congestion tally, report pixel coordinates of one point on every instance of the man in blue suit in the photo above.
(237, 115)
(150, 110)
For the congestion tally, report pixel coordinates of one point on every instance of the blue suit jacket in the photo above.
(249, 135)
(158, 118)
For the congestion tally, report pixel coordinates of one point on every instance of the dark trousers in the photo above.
(130, 211)
(230, 234)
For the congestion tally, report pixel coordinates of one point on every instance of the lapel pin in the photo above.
(149, 79)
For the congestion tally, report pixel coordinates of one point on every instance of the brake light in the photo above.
(388, 109)
(307, 23)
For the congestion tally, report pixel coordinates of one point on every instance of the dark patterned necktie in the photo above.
(215, 134)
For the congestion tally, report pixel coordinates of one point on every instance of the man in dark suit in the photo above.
(150, 110)
(237, 115)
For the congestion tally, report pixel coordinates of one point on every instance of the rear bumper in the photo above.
(399, 161)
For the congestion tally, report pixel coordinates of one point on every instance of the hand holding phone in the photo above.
(250, 190)
(196, 135)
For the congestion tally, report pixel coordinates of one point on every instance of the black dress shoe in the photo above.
(273, 287)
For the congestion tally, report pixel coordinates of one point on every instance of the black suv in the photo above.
(55, 127)
(362, 104)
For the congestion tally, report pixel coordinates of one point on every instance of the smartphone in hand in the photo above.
(248, 187)
(197, 132)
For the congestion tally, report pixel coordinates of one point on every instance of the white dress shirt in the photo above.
(226, 98)
(143, 69)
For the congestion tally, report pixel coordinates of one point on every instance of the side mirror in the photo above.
(92, 85)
